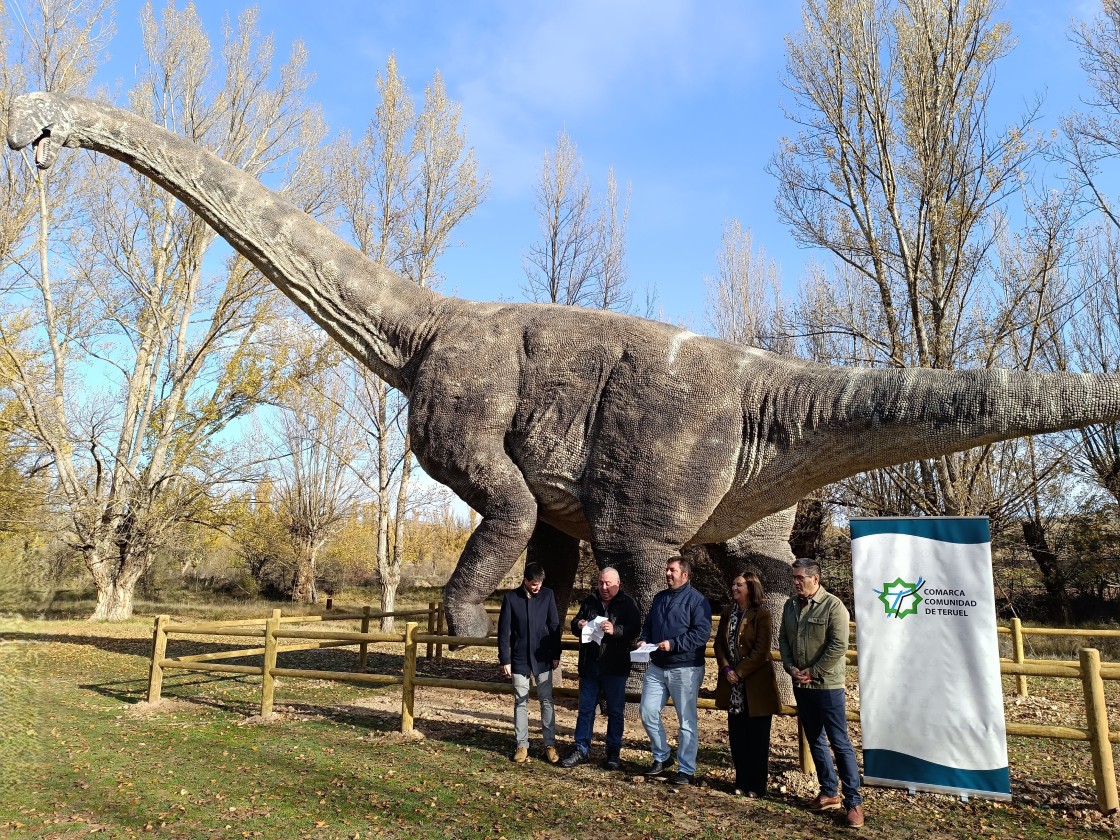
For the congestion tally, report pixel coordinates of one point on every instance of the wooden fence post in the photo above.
(803, 753)
(408, 688)
(363, 648)
(1018, 655)
(159, 652)
(268, 685)
(440, 624)
(1096, 715)
(431, 626)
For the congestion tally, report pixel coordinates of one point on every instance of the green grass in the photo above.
(1066, 647)
(78, 758)
(80, 603)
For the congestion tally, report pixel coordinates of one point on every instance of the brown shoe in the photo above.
(855, 816)
(551, 756)
(521, 755)
(825, 803)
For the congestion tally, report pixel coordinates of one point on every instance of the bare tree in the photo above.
(46, 46)
(614, 282)
(1093, 137)
(315, 484)
(448, 189)
(408, 183)
(898, 176)
(1082, 334)
(744, 302)
(181, 353)
(375, 178)
(580, 258)
(1091, 339)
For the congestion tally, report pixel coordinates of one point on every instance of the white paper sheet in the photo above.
(641, 653)
(593, 630)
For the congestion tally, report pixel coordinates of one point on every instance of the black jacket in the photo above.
(528, 631)
(612, 654)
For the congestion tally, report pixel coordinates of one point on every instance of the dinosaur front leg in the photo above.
(458, 426)
(509, 514)
(490, 553)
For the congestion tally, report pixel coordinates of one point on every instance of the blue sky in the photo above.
(683, 99)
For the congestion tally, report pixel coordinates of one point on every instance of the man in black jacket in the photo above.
(529, 647)
(604, 664)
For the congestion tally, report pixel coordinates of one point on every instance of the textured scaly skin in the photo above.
(637, 435)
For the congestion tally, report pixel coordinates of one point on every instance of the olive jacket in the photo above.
(816, 638)
(755, 667)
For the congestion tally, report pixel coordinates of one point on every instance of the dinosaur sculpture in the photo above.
(559, 423)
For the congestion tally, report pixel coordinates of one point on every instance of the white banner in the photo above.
(931, 700)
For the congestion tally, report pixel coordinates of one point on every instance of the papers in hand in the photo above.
(642, 652)
(593, 630)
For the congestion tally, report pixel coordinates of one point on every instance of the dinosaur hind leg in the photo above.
(558, 553)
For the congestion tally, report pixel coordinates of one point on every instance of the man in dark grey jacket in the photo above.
(604, 664)
(529, 648)
(679, 623)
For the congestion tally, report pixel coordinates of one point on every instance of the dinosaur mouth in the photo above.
(46, 150)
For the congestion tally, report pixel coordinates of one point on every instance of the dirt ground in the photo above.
(438, 710)
(1054, 776)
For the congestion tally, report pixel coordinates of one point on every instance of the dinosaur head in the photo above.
(41, 120)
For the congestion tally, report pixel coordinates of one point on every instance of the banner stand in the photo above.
(931, 696)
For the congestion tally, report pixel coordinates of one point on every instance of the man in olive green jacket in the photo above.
(813, 642)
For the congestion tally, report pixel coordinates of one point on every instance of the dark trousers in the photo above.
(613, 688)
(823, 718)
(750, 751)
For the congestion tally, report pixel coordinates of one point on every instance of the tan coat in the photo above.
(755, 667)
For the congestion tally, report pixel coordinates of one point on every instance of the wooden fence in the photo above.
(1088, 669)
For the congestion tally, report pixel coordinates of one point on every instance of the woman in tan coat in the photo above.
(747, 687)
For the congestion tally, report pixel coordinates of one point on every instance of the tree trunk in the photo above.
(390, 582)
(303, 582)
(391, 576)
(1052, 578)
(115, 570)
(384, 563)
(809, 524)
(114, 601)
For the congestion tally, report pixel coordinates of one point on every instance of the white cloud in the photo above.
(531, 69)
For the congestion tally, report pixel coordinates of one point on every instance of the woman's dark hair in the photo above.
(754, 587)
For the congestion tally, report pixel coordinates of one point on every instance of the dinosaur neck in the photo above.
(859, 419)
(380, 318)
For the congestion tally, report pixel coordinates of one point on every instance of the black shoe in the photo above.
(659, 768)
(680, 778)
(573, 758)
(612, 763)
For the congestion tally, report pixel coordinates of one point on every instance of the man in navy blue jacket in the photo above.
(679, 623)
(529, 647)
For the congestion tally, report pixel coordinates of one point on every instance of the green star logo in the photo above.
(900, 597)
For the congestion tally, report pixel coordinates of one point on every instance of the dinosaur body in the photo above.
(557, 423)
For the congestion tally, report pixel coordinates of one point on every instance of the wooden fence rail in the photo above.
(1088, 669)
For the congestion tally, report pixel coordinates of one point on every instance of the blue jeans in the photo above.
(683, 685)
(613, 687)
(821, 711)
